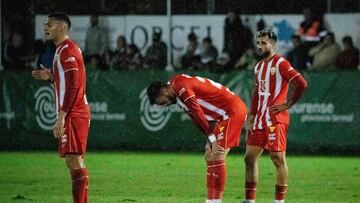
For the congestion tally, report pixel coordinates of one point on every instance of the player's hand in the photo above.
(208, 146)
(217, 149)
(277, 108)
(59, 129)
(42, 73)
(249, 125)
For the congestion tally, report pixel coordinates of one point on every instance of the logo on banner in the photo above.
(153, 117)
(45, 107)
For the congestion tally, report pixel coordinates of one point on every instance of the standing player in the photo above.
(217, 111)
(269, 116)
(73, 113)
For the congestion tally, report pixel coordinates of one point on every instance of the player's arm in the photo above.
(253, 110)
(296, 81)
(71, 70)
(43, 73)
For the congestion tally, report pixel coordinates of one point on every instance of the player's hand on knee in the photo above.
(208, 146)
(217, 149)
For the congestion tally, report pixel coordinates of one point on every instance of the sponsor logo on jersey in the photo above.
(272, 128)
(70, 59)
(272, 137)
(262, 86)
(181, 91)
(221, 128)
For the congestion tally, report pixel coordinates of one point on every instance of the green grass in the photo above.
(167, 177)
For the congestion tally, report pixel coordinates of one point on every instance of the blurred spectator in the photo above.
(43, 53)
(222, 64)
(156, 54)
(311, 29)
(237, 37)
(16, 56)
(297, 56)
(131, 60)
(191, 59)
(247, 61)
(348, 59)
(96, 41)
(325, 53)
(119, 51)
(209, 53)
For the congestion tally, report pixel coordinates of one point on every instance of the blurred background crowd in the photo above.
(314, 46)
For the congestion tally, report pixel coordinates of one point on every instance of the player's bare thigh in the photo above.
(210, 156)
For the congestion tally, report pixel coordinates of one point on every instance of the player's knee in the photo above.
(249, 160)
(74, 162)
(207, 155)
(278, 160)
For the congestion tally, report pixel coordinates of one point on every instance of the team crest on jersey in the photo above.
(221, 128)
(272, 70)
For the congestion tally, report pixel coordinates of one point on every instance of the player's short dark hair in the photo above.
(269, 33)
(61, 17)
(153, 90)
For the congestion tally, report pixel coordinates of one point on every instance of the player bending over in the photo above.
(216, 111)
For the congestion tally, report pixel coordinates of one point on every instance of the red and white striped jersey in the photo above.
(68, 58)
(271, 87)
(203, 99)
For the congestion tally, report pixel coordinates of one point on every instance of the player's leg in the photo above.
(252, 155)
(79, 176)
(277, 147)
(279, 160)
(72, 148)
(209, 174)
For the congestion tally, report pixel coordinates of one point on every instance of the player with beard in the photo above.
(268, 121)
(216, 111)
(68, 76)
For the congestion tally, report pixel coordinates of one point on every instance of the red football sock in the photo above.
(250, 190)
(219, 171)
(280, 191)
(210, 181)
(80, 181)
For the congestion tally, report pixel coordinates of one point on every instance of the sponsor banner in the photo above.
(122, 118)
(138, 29)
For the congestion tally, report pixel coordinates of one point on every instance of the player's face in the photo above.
(52, 29)
(264, 46)
(166, 97)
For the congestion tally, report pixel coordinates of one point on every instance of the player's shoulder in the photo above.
(180, 80)
(71, 48)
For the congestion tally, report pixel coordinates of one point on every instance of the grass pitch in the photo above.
(167, 177)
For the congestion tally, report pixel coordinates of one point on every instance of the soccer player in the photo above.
(73, 113)
(269, 116)
(216, 111)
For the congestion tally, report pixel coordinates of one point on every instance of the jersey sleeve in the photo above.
(287, 71)
(68, 59)
(183, 89)
(71, 70)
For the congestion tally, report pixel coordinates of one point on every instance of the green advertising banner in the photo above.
(325, 120)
